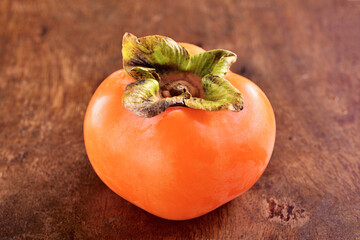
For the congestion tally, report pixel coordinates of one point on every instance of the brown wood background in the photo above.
(304, 54)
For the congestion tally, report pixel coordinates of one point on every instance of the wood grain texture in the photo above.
(304, 54)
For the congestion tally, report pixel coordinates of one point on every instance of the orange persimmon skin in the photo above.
(182, 163)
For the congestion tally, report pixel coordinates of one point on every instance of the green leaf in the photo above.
(219, 95)
(143, 98)
(215, 62)
(154, 52)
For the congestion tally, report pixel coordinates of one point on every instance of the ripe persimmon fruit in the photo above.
(175, 132)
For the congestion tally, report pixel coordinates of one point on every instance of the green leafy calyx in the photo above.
(167, 75)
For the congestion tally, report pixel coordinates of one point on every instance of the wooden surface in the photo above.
(304, 54)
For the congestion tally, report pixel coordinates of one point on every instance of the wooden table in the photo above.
(304, 54)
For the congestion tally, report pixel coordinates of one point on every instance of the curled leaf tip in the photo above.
(129, 36)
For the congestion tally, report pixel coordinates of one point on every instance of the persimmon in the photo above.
(175, 132)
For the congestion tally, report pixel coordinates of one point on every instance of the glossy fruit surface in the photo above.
(184, 162)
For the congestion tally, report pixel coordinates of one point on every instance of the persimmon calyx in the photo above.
(167, 75)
